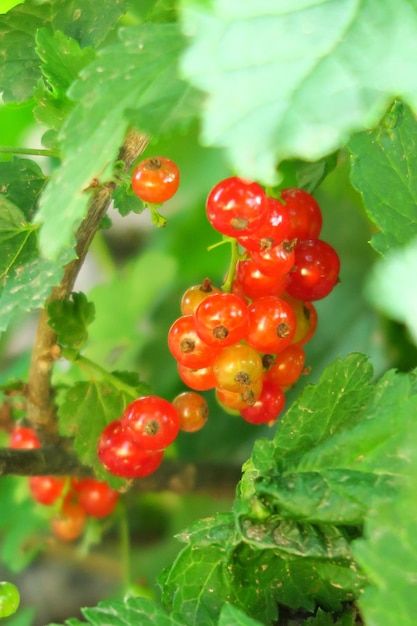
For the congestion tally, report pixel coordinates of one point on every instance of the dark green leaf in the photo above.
(384, 170)
(26, 280)
(388, 552)
(87, 21)
(22, 180)
(295, 79)
(126, 202)
(19, 67)
(140, 611)
(70, 318)
(62, 59)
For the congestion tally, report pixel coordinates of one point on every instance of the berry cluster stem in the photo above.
(234, 258)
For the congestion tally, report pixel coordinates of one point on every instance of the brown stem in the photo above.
(41, 411)
(217, 480)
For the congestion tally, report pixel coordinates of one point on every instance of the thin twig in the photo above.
(41, 410)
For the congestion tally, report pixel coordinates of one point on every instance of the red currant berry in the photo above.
(46, 489)
(273, 231)
(221, 319)
(304, 213)
(122, 457)
(196, 294)
(276, 262)
(238, 400)
(272, 324)
(236, 207)
(192, 409)
(187, 347)
(253, 283)
(268, 406)
(151, 422)
(24, 438)
(237, 367)
(315, 272)
(201, 379)
(70, 522)
(97, 498)
(287, 367)
(155, 180)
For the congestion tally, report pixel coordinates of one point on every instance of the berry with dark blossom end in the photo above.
(155, 180)
(151, 422)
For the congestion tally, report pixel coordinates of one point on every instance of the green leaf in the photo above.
(93, 133)
(19, 69)
(70, 318)
(85, 409)
(26, 280)
(388, 286)
(295, 79)
(384, 170)
(22, 181)
(133, 611)
(231, 615)
(87, 21)
(388, 552)
(62, 60)
(126, 202)
(323, 410)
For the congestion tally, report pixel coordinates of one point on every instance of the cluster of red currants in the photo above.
(74, 498)
(133, 446)
(246, 340)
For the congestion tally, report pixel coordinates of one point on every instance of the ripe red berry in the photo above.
(97, 498)
(187, 347)
(304, 214)
(155, 180)
(273, 231)
(221, 319)
(192, 409)
(267, 407)
(46, 489)
(272, 324)
(236, 207)
(253, 283)
(23, 437)
(276, 262)
(151, 422)
(201, 379)
(316, 270)
(122, 457)
(287, 366)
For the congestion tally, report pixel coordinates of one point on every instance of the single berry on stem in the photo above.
(236, 207)
(221, 319)
(316, 270)
(151, 422)
(192, 409)
(155, 180)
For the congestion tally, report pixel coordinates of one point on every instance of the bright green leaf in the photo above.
(70, 318)
(231, 615)
(295, 79)
(384, 170)
(93, 133)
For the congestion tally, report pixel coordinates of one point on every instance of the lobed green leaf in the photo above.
(69, 318)
(384, 170)
(296, 79)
